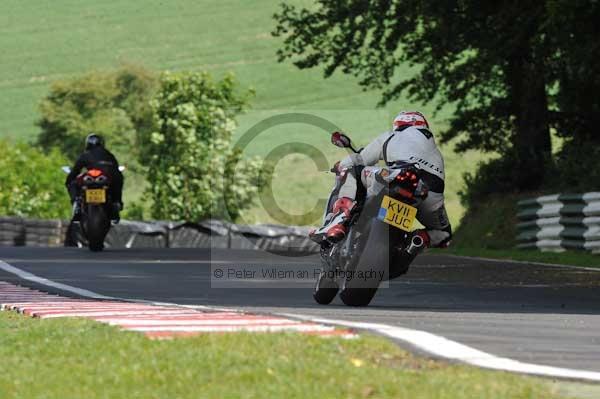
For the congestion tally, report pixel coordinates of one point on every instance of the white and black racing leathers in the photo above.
(413, 145)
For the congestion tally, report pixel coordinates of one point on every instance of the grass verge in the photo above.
(76, 358)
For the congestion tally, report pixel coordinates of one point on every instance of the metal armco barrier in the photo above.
(15, 231)
(559, 222)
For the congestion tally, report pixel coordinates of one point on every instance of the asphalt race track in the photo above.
(536, 314)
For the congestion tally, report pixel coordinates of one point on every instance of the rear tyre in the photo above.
(96, 247)
(358, 296)
(325, 290)
(373, 264)
(97, 225)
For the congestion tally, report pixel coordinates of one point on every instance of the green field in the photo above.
(77, 358)
(42, 42)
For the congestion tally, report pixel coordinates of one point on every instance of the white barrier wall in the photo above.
(559, 222)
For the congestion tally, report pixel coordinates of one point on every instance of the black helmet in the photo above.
(93, 140)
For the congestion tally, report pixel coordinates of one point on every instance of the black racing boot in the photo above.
(116, 209)
(77, 210)
(335, 227)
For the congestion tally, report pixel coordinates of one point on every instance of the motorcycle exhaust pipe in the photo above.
(416, 245)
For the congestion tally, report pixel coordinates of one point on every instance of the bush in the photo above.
(489, 224)
(32, 182)
(114, 104)
(495, 176)
(491, 194)
(576, 169)
(193, 171)
(134, 211)
(573, 170)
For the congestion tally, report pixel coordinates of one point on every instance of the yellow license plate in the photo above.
(95, 196)
(397, 214)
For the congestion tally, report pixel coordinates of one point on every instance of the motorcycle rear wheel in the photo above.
(97, 226)
(374, 256)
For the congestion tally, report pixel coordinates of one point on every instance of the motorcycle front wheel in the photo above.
(326, 289)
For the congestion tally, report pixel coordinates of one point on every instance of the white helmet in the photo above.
(409, 118)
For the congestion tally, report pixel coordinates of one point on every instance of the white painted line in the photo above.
(86, 307)
(40, 280)
(452, 350)
(19, 302)
(430, 343)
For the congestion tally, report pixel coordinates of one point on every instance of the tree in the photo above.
(32, 182)
(193, 171)
(575, 104)
(113, 104)
(495, 61)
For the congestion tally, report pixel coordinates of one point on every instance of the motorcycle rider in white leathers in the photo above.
(409, 141)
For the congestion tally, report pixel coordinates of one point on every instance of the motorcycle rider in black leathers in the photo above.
(96, 156)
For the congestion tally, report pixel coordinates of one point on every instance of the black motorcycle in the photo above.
(96, 206)
(379, 245)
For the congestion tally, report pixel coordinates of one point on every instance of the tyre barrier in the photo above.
(16, 231)
(558, 222)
